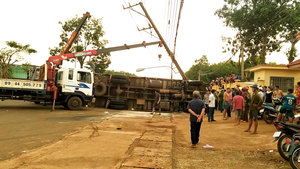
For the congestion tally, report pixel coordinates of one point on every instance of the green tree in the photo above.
(212, 71)
(258, 24)
(88, 38)
(201, 65)
(12, 54)
(291, 26)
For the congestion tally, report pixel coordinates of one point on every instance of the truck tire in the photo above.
(120, 77)
(37, 102)
(195, 83)
(74, 103)
(117, 107)
(119, 81)
(117, 102)
(100, 89)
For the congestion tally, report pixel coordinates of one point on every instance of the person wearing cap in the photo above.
(255, 103)
(196, 107)
(247, 100)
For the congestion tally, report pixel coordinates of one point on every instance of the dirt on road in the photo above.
(132, 139)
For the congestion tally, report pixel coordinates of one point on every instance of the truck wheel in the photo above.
(117, 107)
(74, 103)
(37, 102)
(100, 89)
(117, 102)
(195, 83)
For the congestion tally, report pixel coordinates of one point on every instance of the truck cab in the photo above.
(75, 87)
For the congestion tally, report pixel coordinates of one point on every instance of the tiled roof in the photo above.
(297, 62)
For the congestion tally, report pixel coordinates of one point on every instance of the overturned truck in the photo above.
(138, 93)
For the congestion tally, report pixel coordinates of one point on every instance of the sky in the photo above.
(35, 22)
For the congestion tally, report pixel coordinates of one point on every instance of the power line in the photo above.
(141, 35)
(169, 21)
(179, 15)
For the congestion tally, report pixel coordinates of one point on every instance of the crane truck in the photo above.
(71, 87)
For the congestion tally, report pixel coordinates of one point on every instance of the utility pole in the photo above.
(242, 55)
(199, 75)
(161, 38)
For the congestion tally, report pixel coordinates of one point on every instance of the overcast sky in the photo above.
(35, 22)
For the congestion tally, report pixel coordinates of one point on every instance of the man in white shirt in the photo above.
(205, 99)
(260, 93)
(211, 106)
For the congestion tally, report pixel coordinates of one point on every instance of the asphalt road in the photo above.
(26, 126)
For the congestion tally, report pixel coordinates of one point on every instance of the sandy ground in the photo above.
(134, 139)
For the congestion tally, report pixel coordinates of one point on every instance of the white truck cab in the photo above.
(73, 82)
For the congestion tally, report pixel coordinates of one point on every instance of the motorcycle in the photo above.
(261, 109)
(271, 111)
(293, 149)
(283, 135)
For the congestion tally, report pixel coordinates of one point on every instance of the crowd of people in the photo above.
(241, 102)
(227, 79)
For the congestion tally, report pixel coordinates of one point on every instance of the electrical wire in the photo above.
(174, 23)
(179, 15)
(141, 35)
(169, 22)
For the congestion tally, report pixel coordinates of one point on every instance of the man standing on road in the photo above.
(247, 100)
(238, 102)
(226, 103)
(255, 103)
(211, 106)
(156, 104)
(196, 107)
(278, 93)
(221, 95)
(206, 99)
(216, 99)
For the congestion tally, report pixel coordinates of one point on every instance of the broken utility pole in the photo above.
(160, 37)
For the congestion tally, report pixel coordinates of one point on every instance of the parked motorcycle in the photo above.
(271, 111)
(293, 149)
(284, 134)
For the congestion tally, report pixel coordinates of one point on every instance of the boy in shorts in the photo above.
(289, 102)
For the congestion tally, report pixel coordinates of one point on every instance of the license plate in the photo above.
(277, 134)
(261, 110)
